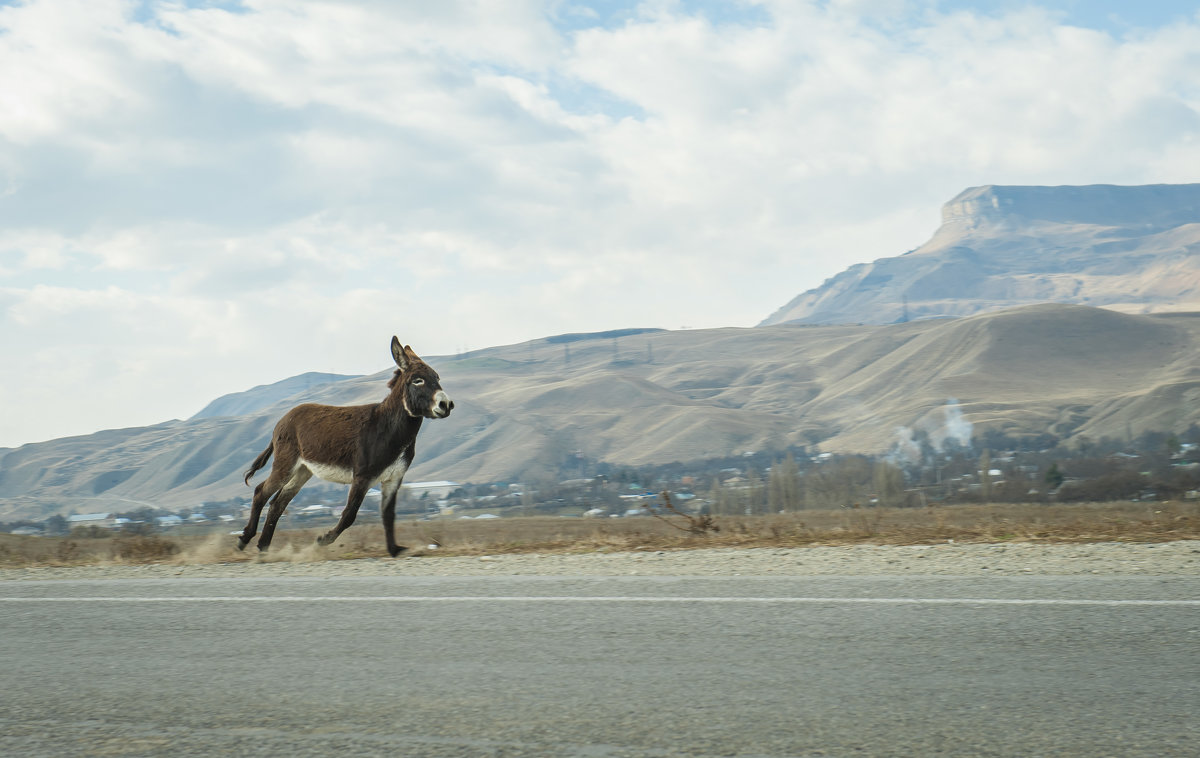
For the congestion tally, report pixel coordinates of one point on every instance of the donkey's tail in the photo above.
(260, 461)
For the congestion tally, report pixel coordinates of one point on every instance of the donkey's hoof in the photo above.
(324, 540)
(397, 550)
(241, 545)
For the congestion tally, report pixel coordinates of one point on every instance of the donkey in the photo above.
(359, 445)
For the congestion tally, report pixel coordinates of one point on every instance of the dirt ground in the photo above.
(982, 524)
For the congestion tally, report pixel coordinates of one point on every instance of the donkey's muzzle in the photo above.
(442, 405)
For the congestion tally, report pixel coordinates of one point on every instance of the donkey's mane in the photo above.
(395, 378)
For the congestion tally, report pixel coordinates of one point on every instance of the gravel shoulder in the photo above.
(1180, 558)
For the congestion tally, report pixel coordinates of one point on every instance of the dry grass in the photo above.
(1128, 522)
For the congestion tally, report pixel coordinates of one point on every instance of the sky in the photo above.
(200, 197)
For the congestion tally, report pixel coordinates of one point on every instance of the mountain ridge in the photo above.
(522, 410)
(266, 395)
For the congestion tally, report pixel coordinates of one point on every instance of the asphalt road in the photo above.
(637, 666)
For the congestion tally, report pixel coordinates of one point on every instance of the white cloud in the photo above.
(65, 67)
(281, 187)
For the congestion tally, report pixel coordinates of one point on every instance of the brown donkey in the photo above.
(359, 445)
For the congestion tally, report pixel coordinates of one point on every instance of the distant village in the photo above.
(992, 468)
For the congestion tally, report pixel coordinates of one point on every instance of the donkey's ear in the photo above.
(398, 354)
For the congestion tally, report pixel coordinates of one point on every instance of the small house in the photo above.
(103, 520)
(436, 490)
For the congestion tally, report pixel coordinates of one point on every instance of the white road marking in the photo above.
(645, 599)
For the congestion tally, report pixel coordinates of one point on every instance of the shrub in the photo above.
(1117, 485)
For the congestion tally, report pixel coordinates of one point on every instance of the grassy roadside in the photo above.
(1118, 522)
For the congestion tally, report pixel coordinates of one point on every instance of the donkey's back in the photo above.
(324, 438)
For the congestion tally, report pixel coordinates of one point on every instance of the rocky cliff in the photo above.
(1131, 249)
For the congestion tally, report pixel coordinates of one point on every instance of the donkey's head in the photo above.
(419, 386)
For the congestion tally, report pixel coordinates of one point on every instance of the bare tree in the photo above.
(888, 481)
(783, 486)
(838, 483)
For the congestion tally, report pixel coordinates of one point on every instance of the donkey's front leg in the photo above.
(388, 511)
(358, 490)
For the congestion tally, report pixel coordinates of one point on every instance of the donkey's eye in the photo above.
(418, 382)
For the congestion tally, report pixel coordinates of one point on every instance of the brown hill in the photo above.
(1131, 249)
(656, 397)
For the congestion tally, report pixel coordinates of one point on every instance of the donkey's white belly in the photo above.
(327, 472)
(342, 475)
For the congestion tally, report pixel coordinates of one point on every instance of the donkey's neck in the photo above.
(391, 420)
(393, 406)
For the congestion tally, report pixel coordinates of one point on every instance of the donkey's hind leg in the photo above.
(279, 503)
(262, 493)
